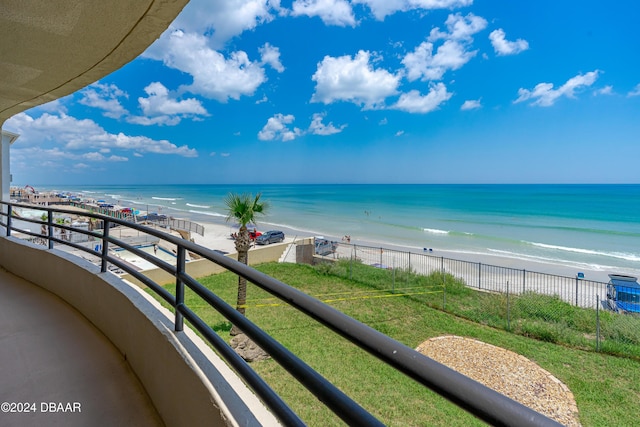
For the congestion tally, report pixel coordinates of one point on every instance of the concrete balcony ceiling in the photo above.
(49, 49)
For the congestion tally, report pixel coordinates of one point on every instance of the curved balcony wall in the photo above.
(184, 378)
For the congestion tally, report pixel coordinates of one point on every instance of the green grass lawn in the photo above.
(606, 387)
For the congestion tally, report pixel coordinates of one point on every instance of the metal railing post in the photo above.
(105, 245)
(9, 213)
(50, 228)
(180, 269)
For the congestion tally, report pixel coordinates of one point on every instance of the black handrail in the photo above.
(481, 401)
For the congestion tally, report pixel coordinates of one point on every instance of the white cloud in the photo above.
(383, 8)
(318, 128)
(353, 80)
(544, 95)
(160, 108)
(214, 76)
(104, 97)
(452, 54)
(271, 55)
(400, 133)
(423, 64)
(56, 106)
(84, 135)
(332, 12)
(99, 157)
(503, 46)
(224, 19)
(414, 102)
(635, 91)
(459, 28)
(277, 129)
(607, 90)
(471, 104)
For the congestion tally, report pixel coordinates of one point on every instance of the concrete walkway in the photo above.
(60, 368)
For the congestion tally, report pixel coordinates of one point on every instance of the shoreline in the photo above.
(218, 231)
(217, 236)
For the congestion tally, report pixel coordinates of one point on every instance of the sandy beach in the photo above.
(218, 236)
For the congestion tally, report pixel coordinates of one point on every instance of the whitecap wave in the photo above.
(198, 206)
(165, 198)
(619, 255)
(550, 260)
(207, 213)
(434, 231)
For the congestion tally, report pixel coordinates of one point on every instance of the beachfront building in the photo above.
(33, 197)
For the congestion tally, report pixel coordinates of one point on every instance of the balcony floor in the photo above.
(51, 354)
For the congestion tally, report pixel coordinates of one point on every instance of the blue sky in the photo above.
(360, 91)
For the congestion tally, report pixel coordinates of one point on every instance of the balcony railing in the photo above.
(481, 401)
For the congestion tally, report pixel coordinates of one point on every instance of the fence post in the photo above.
(577, 291)
(479, 275)
(597, 322)
(351, 263)
(524, 281)
(508, 309)
(393, 282)
(180, 262)
(444, 284)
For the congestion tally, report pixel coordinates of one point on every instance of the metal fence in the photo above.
(568, 310)
(484, 277)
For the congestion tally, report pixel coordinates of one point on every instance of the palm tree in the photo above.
(243, 208)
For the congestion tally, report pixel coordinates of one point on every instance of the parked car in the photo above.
(324, 246)
(273, 236)
(623, 293)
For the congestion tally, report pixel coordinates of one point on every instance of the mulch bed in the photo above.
(506, 372)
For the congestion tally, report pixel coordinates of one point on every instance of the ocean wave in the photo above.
(206, 213)
(198, 206)
(618, 255)
(551, 260)
(434, 231)
(166, 198)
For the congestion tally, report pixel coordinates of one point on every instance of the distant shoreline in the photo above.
(190, 203)
(217, 237)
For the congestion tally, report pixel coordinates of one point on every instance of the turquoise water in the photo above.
(595, 226)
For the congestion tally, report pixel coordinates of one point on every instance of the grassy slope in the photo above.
(606, 388)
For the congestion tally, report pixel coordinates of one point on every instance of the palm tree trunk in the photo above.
(242, 246)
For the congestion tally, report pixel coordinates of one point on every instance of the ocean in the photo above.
(593, 227)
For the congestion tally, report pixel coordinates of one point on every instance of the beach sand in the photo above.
(218, 236)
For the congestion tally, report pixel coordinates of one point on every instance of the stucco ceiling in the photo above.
(51, 48)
